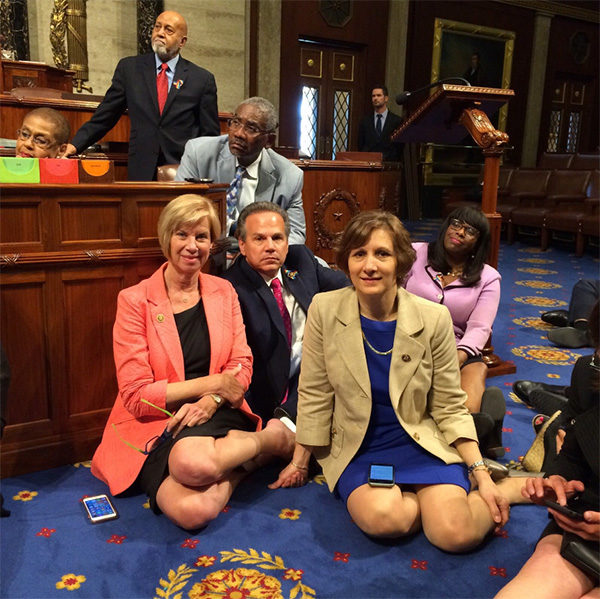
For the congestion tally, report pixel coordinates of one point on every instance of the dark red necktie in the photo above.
(162, 86)
(287, 322)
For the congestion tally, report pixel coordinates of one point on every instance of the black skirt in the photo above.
(156, 466)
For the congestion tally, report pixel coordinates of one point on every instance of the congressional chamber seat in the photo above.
(166, 172)
(565, 187)
(580, 218)
(526, 185)
(555, 161)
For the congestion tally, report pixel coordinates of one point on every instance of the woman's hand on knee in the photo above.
(193, 414)
(496, 502)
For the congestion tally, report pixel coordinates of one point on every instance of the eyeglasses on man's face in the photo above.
(252, 129)
(457, 225)
(39, 140)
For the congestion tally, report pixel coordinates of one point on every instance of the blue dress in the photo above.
(386, 442)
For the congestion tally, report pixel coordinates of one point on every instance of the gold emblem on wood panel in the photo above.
(332, 213)
(343, 67)
(311, 63)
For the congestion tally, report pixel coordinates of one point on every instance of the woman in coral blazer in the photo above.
(180, 346)
(380, 385)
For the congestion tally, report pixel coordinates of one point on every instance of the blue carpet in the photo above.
(296, 543)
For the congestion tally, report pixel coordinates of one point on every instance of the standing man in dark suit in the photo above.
(169, 100)
(376, 128)
(275, 284)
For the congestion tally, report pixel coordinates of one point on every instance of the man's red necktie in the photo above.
(162, 86)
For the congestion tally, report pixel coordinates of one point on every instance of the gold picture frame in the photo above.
(455, 45)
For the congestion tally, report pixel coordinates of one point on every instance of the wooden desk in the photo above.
(77, 109)
(66, 252)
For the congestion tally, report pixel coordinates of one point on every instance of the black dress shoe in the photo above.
(570, 337)
(558, 318)
(524, 389)
(493, 404)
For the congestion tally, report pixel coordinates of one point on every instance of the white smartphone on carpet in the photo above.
(99, 508)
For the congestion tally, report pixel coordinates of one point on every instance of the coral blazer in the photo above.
(148, 355)
(334, 392)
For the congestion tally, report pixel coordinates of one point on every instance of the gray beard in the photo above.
(162, 52)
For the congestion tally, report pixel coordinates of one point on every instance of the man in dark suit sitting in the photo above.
(169, 100)
(376, 128)
(275, 284)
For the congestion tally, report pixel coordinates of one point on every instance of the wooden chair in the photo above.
(166, 172)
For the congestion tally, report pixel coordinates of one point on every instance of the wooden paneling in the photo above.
(335, 190)
(58, 302)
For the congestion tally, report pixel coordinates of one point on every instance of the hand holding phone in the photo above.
(572, 510)
(381, 475)
(99, 508)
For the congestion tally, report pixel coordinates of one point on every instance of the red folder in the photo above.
(58, 170)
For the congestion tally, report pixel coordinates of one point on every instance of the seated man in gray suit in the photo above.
(244, 159)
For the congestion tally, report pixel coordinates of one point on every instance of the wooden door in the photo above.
(330, 88)
(570, 109)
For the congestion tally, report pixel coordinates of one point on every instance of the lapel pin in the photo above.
(178, 83)
(291, 274)
(160, 317)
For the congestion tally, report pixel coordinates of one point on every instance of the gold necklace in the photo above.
(379, 353)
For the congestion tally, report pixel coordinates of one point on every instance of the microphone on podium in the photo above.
(403, 97)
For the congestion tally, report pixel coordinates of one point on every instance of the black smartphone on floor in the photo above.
(381, 475)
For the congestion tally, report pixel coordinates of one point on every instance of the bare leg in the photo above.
(201, 471)
(194, 507)
(472, 381)
(198, 461)
(384, 512)
(547, 574)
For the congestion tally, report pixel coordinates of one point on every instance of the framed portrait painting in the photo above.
(481, 55)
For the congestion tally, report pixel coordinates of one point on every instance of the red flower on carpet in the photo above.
(45, 532)
(289, 514)
(291, 574)
(225, 509)
(507, 429)
(340, 557)
(501, 533)
(419, 565)
(25, 495)
(117, 539)
(190, 543)
(70, 581)
(508, 413)
(497, 571)
(205, 561)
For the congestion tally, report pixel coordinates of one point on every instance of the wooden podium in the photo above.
(443, 118)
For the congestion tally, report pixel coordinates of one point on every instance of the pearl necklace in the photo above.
(379, 353)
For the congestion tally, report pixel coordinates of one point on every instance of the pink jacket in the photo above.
(148, 355)
(473, 308)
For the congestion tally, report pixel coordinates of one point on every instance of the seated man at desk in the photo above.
(244, 159)
(275, 283)
(44, 133)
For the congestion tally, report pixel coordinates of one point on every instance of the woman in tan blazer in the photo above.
(380, 384)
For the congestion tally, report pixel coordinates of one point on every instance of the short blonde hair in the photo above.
(360, 228)
(186, 211)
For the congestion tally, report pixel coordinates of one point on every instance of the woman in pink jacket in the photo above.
(180, 347)
(452, 271)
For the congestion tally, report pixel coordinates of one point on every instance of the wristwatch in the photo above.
(218, 399)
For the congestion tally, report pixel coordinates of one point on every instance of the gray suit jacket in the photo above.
(334, 392)
(279, 180)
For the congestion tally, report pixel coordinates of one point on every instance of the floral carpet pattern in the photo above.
(294, 543)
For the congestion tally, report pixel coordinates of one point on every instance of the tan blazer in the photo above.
(334, 393)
